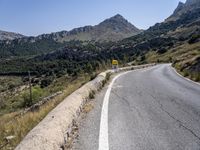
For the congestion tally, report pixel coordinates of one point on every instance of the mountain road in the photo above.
(145, 109)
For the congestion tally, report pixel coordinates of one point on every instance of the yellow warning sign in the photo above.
(114, 62)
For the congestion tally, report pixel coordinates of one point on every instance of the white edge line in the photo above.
(184, 77)
(103, 133)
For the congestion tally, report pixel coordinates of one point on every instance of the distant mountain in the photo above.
(183, 8)
(181, 25)
(4, 35)
(179, 33)
(113, 29)
(192, 3)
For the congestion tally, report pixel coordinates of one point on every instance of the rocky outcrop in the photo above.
(183, 8)
(4, 35)
(192, 2)
(112, 29)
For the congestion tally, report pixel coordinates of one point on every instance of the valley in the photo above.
(64, 61)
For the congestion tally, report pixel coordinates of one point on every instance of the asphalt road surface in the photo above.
(147, 109)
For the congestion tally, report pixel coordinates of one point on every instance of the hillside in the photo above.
(113, 29)
(183, 8)
(77, 56)
(64, 61)
(4, 35)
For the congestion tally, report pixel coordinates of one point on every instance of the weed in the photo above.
(19, 125)
(108, 76)
(92, 94)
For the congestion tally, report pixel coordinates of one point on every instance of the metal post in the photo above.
(30, 88)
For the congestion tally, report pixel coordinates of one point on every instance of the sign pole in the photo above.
(30, 88)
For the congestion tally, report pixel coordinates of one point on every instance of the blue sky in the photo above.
(34, 17)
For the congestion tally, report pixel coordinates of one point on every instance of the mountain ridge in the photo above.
(116, 26)
(112, 29)
(183, 8)
(5, 35)
(175, 42)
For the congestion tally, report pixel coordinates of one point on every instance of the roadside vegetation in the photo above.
(65, 66)
(14, 99)
(9, 82)
(185, 58)
(15, 124)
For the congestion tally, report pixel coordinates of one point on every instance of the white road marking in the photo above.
(103, 133)
(184, 77)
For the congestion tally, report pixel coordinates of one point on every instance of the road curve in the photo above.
(149, 109)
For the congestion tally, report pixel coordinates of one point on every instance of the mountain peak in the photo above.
(118, 16)
(192, 2)
(179, 7)
(4, 35)
(180, 4)
(116, 20)
(183, 8)
(118, 23)
(112, 29)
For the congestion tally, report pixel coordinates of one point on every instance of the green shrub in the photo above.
(196, 77)
(45, 82)
(185, 73)
(194, 39)
(37, 93)
(93, 76)
(162, 50)
(2, 103)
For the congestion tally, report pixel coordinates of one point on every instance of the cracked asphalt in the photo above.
(149, 109)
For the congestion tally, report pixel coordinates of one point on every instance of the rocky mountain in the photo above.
(192, 3)
(175, 40)
(113, 29)
(183, 8)
(181, 25)
(4, 35)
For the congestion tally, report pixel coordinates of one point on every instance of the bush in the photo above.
(162, 50)
(143, 58)
(45, 82)
(91, 94)
(27, 101)
(196, 77)
(37, 93)
(108, 76)
(194, 39)
(2, 103)
(93, 76)
(185, 73)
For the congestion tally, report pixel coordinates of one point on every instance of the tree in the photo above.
(89, 68)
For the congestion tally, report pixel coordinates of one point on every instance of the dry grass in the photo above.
(9, 82)
(182, 56)
(88, 107)
(19, 126)
(180, 53)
